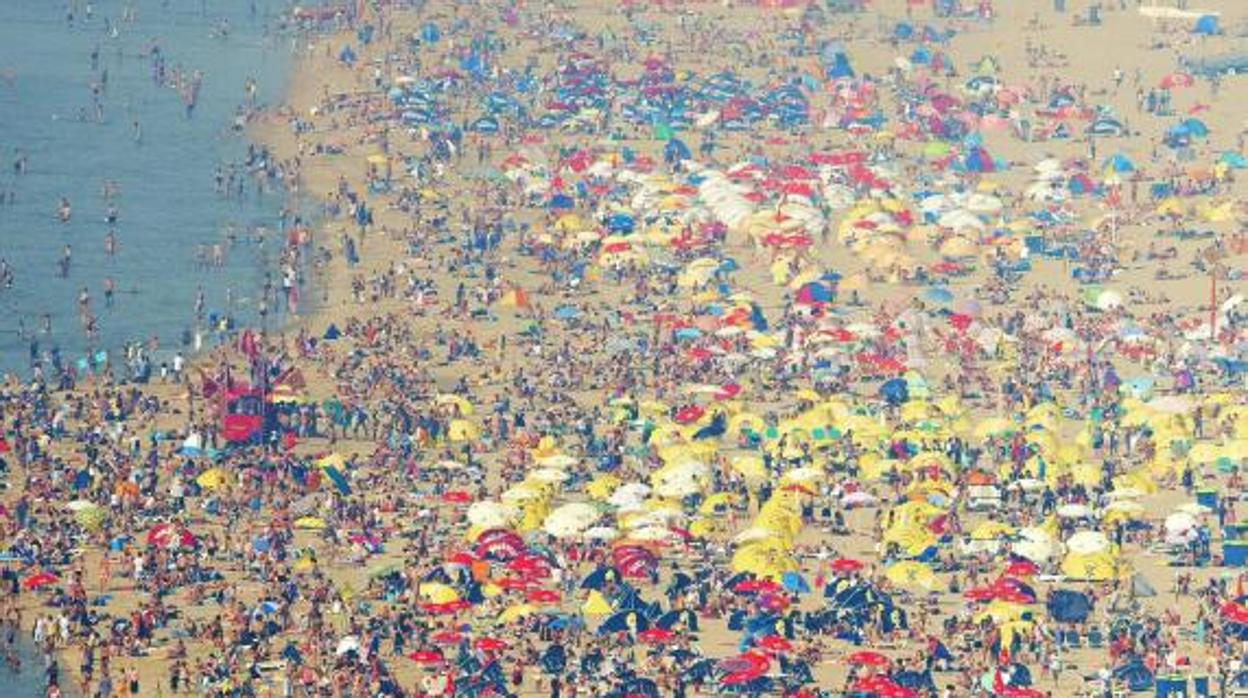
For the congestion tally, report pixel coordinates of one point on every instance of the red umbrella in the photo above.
(883, 687)
(775, 643)
(1235, 612)
(168, 536)
(445, 609)
(1022, 568)
(845, 564)
(868, 658)
(1017, 692)
(756, 662)
(513, 584)
(744, 668)
(728, 392)
(426, 657)
(1177, 80)
(656, 636)
(457, 497)
(489, 644)
(446, 637)
(39, 579)
(754, 586)
(690, 414)
(544, 596)
(461, 557)
(980, 594)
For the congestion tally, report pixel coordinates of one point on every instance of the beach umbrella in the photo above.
(489, 644)
(1176, 79)
(846, 565)
(1117, 164)
(869, 658)
(938, 294)
(426, 657)
(39, 580)
(656, 636)
(909, 574)
(446, 637)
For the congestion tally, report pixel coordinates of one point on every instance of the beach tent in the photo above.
(836, 62)
(814, 292)
(1207, 26)
(978, 160)
(676, 150)
(1135, 675)
(1117, 164)
(1068, 606)
(332, 332)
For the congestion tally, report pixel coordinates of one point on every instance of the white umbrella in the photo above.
(858, 499)
(570, 520)
(600, 533)
(629, 495)
(551, 476)
(1087, 543)
(1074, 511)
(491, 514)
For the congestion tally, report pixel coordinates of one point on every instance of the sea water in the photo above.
(162, 170)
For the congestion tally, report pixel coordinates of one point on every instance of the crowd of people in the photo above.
(843, 404)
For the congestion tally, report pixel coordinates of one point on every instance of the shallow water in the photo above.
(168, 201)
(29, 679)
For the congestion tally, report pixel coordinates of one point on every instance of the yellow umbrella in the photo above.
(335, 460)
(517, 612)
(992, 530)
(765, 558)
(212, 478)
(462, 430)
(909, 574)
(465, 407)
(436, 592)
(994, 426)
(310, 523)
(602, 486)
(596, 605)
(911, 539)
(716, 501)
(1002, 612)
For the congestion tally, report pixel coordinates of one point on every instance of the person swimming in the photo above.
(64, 211)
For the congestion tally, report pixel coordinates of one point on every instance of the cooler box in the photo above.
(1235, 553)
(1207, 499)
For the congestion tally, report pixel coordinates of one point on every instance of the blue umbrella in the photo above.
(938, 294)
(895, 391)
(688, 333)
(795, 583)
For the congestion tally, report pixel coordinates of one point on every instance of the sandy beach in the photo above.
(888, 383)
